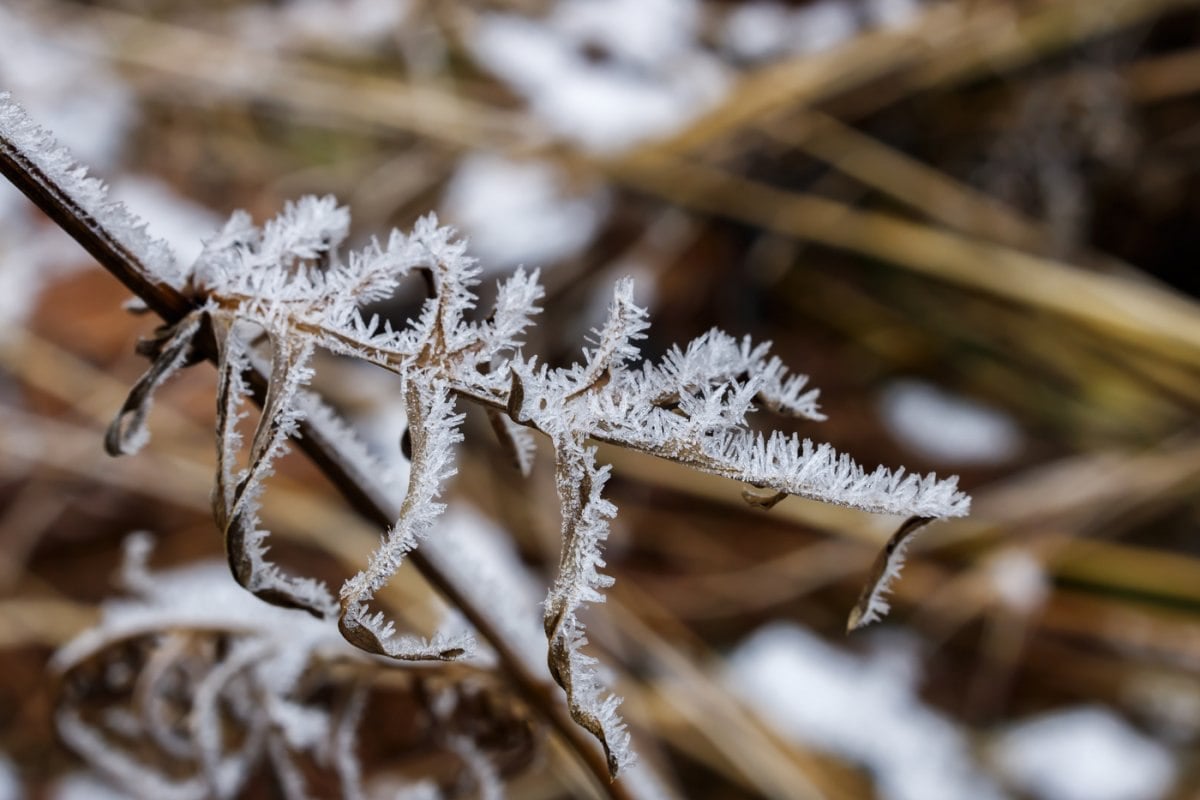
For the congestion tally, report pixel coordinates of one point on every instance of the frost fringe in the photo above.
(273, 295)
(289, 281)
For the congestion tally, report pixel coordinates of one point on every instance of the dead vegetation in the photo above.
(997, 198)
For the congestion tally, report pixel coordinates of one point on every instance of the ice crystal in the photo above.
(288, 285)
(270, 296)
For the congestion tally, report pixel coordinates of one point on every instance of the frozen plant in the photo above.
(154, 688)
(209, 655)
(270, 296)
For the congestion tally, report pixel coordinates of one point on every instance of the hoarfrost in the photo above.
(270, 296)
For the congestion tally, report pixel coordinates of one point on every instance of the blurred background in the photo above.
(974, 223)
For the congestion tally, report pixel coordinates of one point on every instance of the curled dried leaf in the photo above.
(585, 527)
(872, 603)
(516, 396)
(763, 501)
(434, 429)
(515, 440)
(236, 497)
(171, 350)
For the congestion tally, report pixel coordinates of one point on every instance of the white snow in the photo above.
(31, 256)
(892, 13)
(90, 110)
(379, 422)
(644, 32)
(201, 597)
(348, 23)
(947, 428)
(822, 26)
(85, 786)
(1018, 579)
(58, 167)
(864, 709)
(10, 781)
(344, 24)
(1085, 753)
(757, 31)
(521, 212)
(78, 98)
(764, 30)
(761, 31)
(604, 74)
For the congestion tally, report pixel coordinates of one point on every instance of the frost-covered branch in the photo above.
(290, 282)
(47, 174)
(691, 407)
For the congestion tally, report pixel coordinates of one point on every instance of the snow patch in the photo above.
(823, 26)
(767, 29)
(864, 709)
(605, 74)
(78, 98)
(892, 13)
(10, 781)
(757, 31)
(86, 786)
(346, 25)
(518, 213)
(762, 31)
(1085, 753)
(947, 428)
(1018, 579)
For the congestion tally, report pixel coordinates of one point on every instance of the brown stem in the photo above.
(359, 490)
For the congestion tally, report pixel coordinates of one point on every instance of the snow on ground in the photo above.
(86, 106)
(892, 13)
(10, 782)
(1086, 753)
(1018, 579)
(947, 428)
(85, 786)
(90, 111)
(520, 213)
(863, 709)
(768, 29)
(605, 74)
(347, 25)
